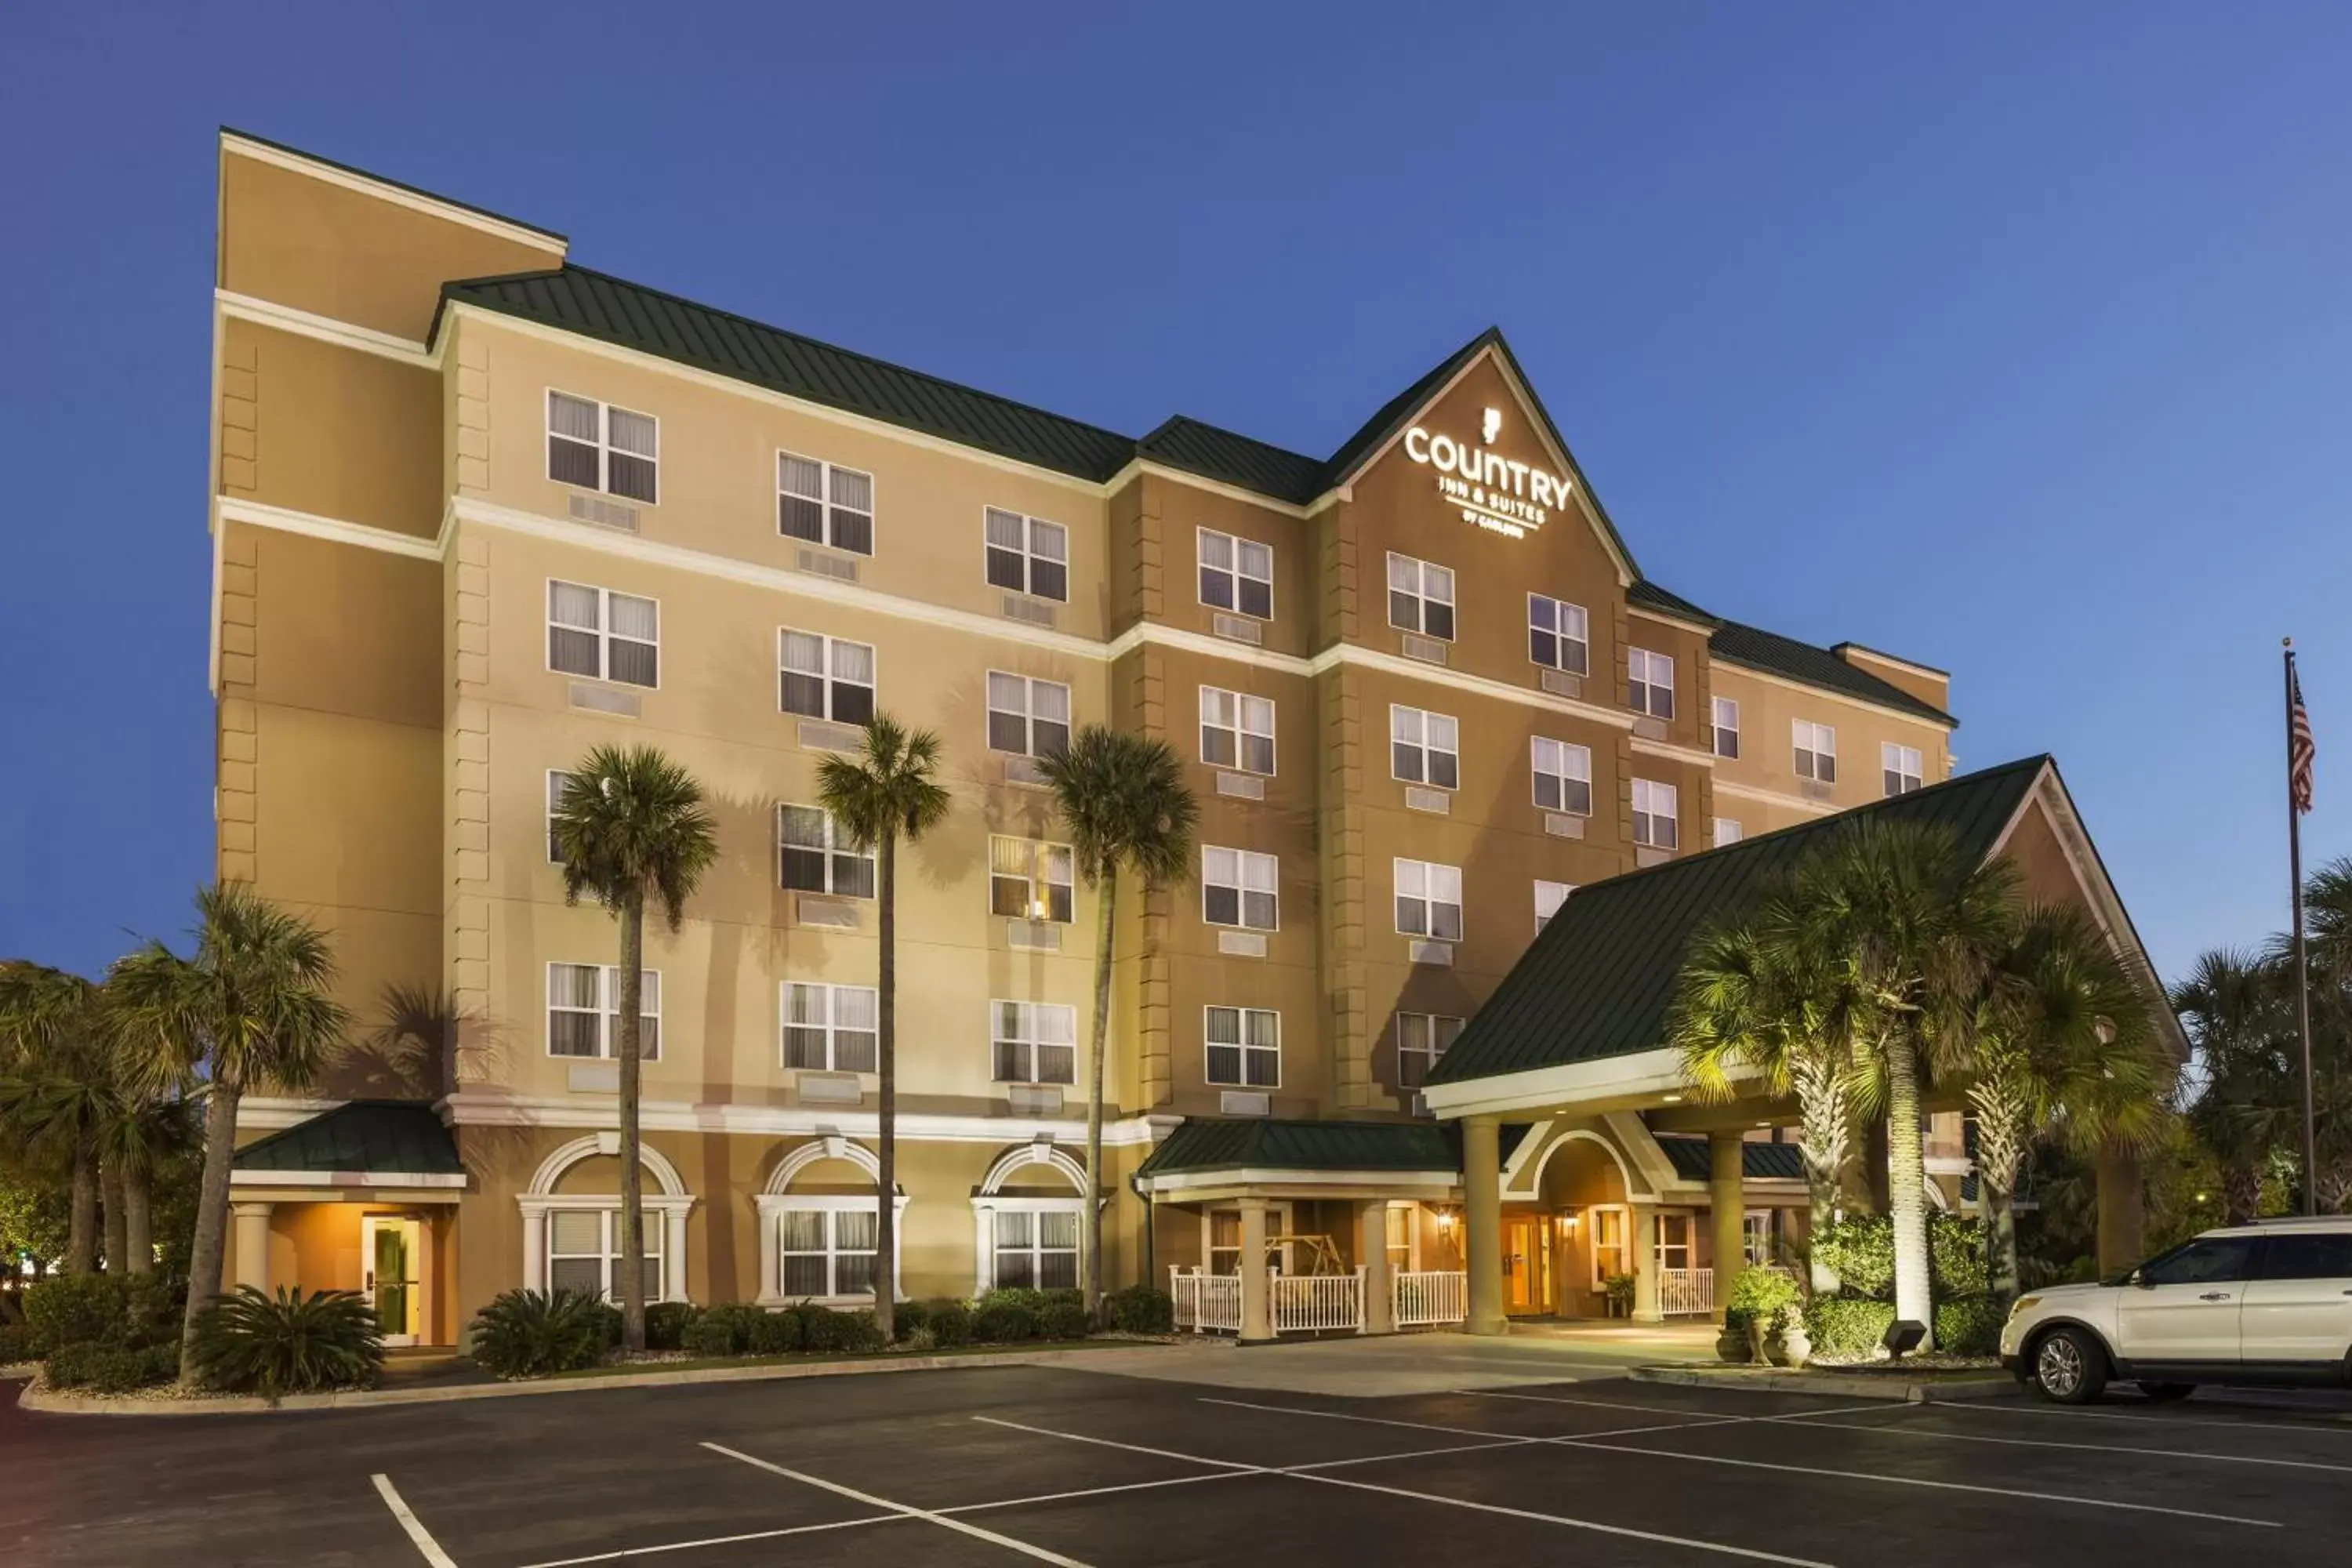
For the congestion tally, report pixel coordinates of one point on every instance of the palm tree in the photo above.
(630, 825)
(2064, 1045)
(884, 794)
(1913, 925)
(55, 1090)
(1753, 995)
(251, 1007)
(2239, 1015)
(1122, 799)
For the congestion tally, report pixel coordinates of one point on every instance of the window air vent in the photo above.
(1238, 627)
(825, 565)
(594, 1078)
(1015, 607)
(1813, 789)
(1244, 1102)
(605, 700)
(1438, 952)
(1242, 943)
(1036, 936)
(604, 513)
(1429, 650)
(1645, 856)
(827, 1089)
(1561, 825)
(1419, 798)
(816, 910)
(1033, 1099)
(1650, 729)
(1559, 683)
(1241, 786)
(820, 735)
(1019, 770)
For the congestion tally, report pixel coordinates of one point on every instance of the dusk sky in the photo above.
(2008, 339)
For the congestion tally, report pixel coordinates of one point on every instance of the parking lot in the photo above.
(1053, 1465)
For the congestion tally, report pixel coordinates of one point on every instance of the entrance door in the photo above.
(389, 1245)
(1526, 1263)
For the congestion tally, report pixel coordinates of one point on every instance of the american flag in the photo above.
(2299, 747)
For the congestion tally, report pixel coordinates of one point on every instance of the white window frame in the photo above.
(1244, 1051)
(1433, 880)
(1421, 591)
(1428, 1054)
(609, 1237)
(604, 446)
(1561, 611)
(828, 681)
(829, 1028)
(1033, 530)
(829, 504)
(1027, 713)
(1810, 746)
(837, 846)
(1030, 1038)
(1039, 853)
(608, 997)
(832, 1206)
(1252, 875)
(1600, 1250)
(558, 779)
(1725, 716)
(604, 634)
(1418, 730)
(1234, 571)
(1718, 837)
(1556, 894)
(1892, 755)
(1649, 794)
(1572, 765)
(1682, 1222)
(1239, 731)
(1036, 1211)
(1756, 1238)
(1278, 1223)
(1648, 675)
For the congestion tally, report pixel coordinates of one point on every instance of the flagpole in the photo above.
(2301, 966)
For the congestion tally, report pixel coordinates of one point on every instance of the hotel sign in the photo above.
(1495, 492)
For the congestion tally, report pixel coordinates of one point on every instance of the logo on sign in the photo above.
(1494, 492)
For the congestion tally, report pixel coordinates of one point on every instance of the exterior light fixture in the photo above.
(1903, 1335)
(1673, 1099)
(1567, 1226)
(1445, 1222)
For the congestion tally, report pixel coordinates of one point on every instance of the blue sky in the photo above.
(2010, 339)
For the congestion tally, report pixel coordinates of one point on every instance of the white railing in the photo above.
(1302, 1303)
(1206, 1302)
(1432, 1298)
(1683, 1290)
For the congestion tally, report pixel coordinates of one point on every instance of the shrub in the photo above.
(111, 1369)
(1762, 1296)
(1846, 1325)
(288, 1342)
(1968, 1325)
(19, 1344)
(666, 1325)
(1140, 1310)
(828, 1332)
(80, 1310)
(1063, 1320)
(529, 1333)
(1001, 1318)
(950, 1322)
(1956, 1256)
(1618, 1288)
(1025, 1295)
(1861, 1250)
(156, 1306)
(908, 1319)
(726, 1328)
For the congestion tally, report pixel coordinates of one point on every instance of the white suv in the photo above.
(2270, 1303)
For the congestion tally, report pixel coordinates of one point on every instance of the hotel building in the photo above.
(477, 509)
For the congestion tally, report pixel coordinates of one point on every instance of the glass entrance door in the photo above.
(388, 1265)
(1526, 1263)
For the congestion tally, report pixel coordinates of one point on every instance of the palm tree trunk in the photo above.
(1877, 1186)
(137, 1221)
(110, 1188)
(886, 1050)
(2241, 1194)
(1906, 1187)
(632, 1181)
(211, 1244)
(81, 1215)
(1824, 1126)
(1105, 916)
(2000, 1218)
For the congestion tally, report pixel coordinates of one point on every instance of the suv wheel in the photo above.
(2165, 1393)
(2070, 1367)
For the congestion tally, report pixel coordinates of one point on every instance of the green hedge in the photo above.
(19, 1342)
(1968, 1325)
(950, 1321)
(1004, 1322)
(1861, 1250)
(1063, 1320)
(111, 1369)
(1140, 1310)
(666, 1325)
(1845, 1325)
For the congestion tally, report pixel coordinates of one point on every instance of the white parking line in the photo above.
(1875, 1406)
(417, 1533)
(628, 1552)
(2049, 1443)
(2330, 1424)
(1130, 1448)
(870, 1500)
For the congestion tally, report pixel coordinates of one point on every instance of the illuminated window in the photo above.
(1029, 880)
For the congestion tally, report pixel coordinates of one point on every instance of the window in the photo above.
(1399, 1218)
(583, 1003)
(1036, 1042)
(1424, 748)
(1225, 1247)
(2210, 1260)
(602, 634)
(1240, 888)
(824, 678)
(557, 782)
(1556, 636)
(1816, 750)
(1563, 776)
(2308, 1256)
(1028, 554)
(1036, 1248)
(827, 1252)
(1727, 727)
(583, 1251)
(1029, 880)
(1236, 730)
(1029, 718)
(1727, 830)
(601, 449)
(1428, 900)
(1900, 765)
(1607, 1238)
(1654, 814)
(824, 504)
(829, 1028)
(1421, 597)
(1244, 1046)
(1421, 1038)
(819, 857)
(1650, 678)
(1550, 896)
(1674, 1241)
(1236, 574)
(1756, 1246)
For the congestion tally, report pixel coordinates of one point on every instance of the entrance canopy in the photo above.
(1213, 1158)
(364, 1150)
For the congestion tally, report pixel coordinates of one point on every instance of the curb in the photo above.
(1849, 1387)
(46, 1401)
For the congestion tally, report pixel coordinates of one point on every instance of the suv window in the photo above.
(2297, 1257)
(2211, 1260)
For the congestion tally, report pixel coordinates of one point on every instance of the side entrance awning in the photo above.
(1214, 1158)
(363, 1151)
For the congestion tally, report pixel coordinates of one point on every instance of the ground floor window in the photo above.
(1674, 1241)
(1607, 1231)
(1224, 1248)
(1755, 1237)
(584, 1252)
(1037, 1248)
(827, 1252)
(1401, 1218)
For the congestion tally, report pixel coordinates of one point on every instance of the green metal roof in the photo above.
(1600, 978)
(1776, 654)
(1235, 460)
(1265, 1143)
(1646, 594)
(1694, 1161)
(391, 1136)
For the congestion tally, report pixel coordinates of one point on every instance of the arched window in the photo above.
(572, 1230)
(820, 1230)
(1026, 1216)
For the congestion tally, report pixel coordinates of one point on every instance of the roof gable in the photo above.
(374, 1136)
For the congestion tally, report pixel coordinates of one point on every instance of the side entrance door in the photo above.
(389, 1245)
(2183, 1306)
(1526, 1263)
(2300, 1308)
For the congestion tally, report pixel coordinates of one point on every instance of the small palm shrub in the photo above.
(531, 1333)
(950, 1322)
(1845, 1326)
(666, 1323)
(111, 1369)
(1002, 1318)
(288, 1342)
(1140, 1310)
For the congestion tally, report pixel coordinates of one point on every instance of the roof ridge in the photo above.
(1226, 430)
